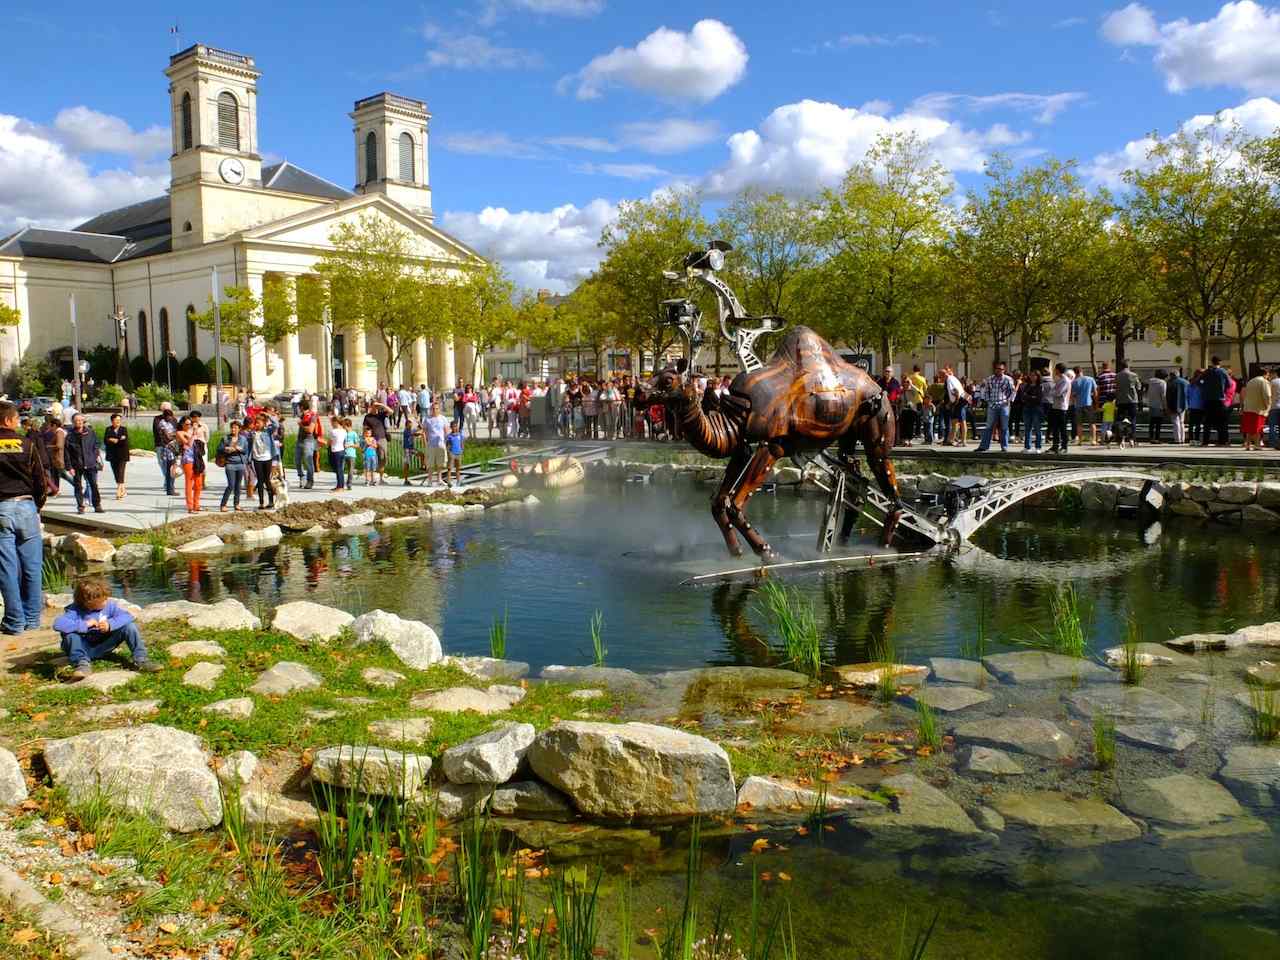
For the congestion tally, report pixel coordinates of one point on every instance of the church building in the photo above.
(142, 271)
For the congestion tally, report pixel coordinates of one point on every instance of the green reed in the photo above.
(928, 730)
(53, 574)
(1104, 742)
(795, 619)
(598, 649)
(1264, 718)
(498, 637)
(1132, 668)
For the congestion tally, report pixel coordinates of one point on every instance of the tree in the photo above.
(957, 303)
(378, 284)
(540, 325)
(587, 317)
(648, 237)
(9, 316)
(483, 312)
(882, 226)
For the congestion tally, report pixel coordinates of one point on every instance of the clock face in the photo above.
(231, 170)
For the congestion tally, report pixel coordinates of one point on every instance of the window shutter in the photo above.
(228, 122)
(371, 158)
(406, 158)
(186, 121)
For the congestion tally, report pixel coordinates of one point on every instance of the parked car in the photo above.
(40, 406)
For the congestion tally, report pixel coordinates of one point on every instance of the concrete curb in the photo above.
(51, 917)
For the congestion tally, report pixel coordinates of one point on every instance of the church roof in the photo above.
(145, 218)
(64, 245)
(285, 176)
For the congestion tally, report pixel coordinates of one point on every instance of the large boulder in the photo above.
(13, 785)
(308, 622)
(1180, 798)
(1259, 518)
(415, 644)
(1032, 735)
(634, 769)
(262, 537)
(1038, 666)
(1258, 635)
(1060, 821)
(371, 770)
(140, 555)
(227, 614)
(1238, 492)
(149, 769)
(921, 814)
(1099, 497)
(1206, 641)
(284, 678)
(169, 610)
(361, 518)
(88, 549)
(496, 699)
(531, 799)
(1269, 495)
(455, 801)
(1253, 774)
(492, 757)
(270, 811)
(766, 795)
(873, 674)
(209, 544)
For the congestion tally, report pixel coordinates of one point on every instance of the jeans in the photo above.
(85, 484)
(997, 419)
(1273, 428)
(1195, 423)
(928, 418)
(235, 477)
(338, 465)
(1032, 425)
(21, 559)
(306, 457)
(94, 644)
(1127, 421)
(262, 471)
(1058, 438)
(1216, 420)
(1155, 426)
(164, 456)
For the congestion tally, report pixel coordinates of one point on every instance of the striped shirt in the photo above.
(998, 388)
(1107, 385)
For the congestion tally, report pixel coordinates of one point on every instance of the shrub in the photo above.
(166, 371)
(191, 370)
(228, 374)
(102, 363)
(151, 395)
(140, 370)
(109, 395)
(34, 376)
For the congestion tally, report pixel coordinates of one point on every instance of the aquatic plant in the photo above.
(795, 619)
(920, 942)
(599, 650)
(53, 574)
(1068, 635)
(474, 881)
(928, 732)
(498, 637)
(976, 648)
(679, 938)
(576, 909)
(1132, 667)
(1104, 742)
(159, 537)
(886, 655)
(1264, 718)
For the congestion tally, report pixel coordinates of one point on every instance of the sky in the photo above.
(547, 113)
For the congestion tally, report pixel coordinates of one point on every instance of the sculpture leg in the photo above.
(757, 470)
(723, 497)
(879, 440)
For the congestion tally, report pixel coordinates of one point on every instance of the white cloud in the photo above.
(592, 144)
(44, 183)
(1131, 26)
(84, 130)
(489, 144)
(673, 135)
(801, 147)
(1068, 22)
(1259, 117)
(698, 65)
(563, 8)
(626, 171)
(1236, 48)
(554, 249)
(882, 40)
(472, 51)
(1046, 107)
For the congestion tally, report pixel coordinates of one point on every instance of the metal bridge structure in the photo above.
(476, 474)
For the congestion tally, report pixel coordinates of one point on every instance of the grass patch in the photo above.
(1069, 635)
(1104, 742)
(498, 637)
(886, 657)
(53, 574)
(1131, 666)
(598, 649)
(795, 620)
(928, 730)
(1264, 717)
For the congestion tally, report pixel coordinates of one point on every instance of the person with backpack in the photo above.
(233, 457)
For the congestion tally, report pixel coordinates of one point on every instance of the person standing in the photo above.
(1273, 417)
(1032, 393)
(1195, 407)
(192, 459)
(1059, 402)
(1215, 390)
(23, 488)
(263, 451)
(84, 460)
(163, 426)
(337, 444)
(436, 427)
(233, 455)
(1254, 408)
(1175, 402)
(116, 440)
(304, 454)
(957, 403)
(998, 390)
(375, 423)
(1084, 395)
(1128, 389)
(54, 436)
(1157, 391)
(424, 402)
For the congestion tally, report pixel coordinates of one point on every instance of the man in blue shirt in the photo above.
(1213, 392)
(454, 443)
(998, 390)
(94, 625)
(1084, 389)
(1175, 404)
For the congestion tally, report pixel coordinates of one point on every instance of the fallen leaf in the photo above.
(784, 876)
(54, 878)
(759, 845)
(168, 927)
(26, 935)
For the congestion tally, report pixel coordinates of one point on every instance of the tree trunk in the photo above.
(1093, 360)
(886, 354)
(1241, 344)
(1204, 344)
(1119, 348)
(1024, 345)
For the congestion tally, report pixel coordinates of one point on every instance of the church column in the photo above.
(289, 344)
(357, 374)
(444, 366)
(259, 375)
(465, 352)
(420, 374)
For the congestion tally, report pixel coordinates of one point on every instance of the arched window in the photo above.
(186, 227)
(191, 330)
(371, 157)
(164, 332)
(144, 341)
(186, 121)
(228, 121)
(406, 158)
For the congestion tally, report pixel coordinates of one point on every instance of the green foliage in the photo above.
(210, 372)
(150, 395)
(1066, 617)
(190, 371)
(34, 376)
(9, 316)
(1132, 667)
(166, 372)
(102, 363)
(108, 395)
(928, 730)
(885, 655)
(1264, 715)
(794, 618)
(598, 649)
(919, 944)
(498, 637)
(483, 311)
(140, 370)
(53, 574)
(1104, 742)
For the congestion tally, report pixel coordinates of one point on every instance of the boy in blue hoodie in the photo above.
(94, 625)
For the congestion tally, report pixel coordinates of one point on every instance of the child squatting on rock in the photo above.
(94, 625)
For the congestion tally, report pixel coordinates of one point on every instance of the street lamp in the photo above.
(76, 395)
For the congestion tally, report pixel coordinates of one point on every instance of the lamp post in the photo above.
(75, 355)
(217, 346)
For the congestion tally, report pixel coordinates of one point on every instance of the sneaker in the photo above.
(147, 666)
(81, 672)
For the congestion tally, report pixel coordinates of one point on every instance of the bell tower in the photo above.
(391, 150)
(213, 97)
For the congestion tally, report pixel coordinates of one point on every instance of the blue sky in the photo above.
(546, 113)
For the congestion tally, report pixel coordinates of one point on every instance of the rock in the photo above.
(195, 648)
(1244, 826)
(414, 644)
(1269, 495)
(988, 761)
(58, 601)
(615, 678)
(105, 681)
(236, 769)
(1148, 655)
(767, 795)
(870, 674)
(140, 555)
(576, 841)
(455, 801)
(1031, 735)
(634, 769)
(1238, 492)
(442, 511)
(1059, 821)
(226, 614)
(1099, 497)
(491, 757)
(1253, 774)
(1264, 674)
(1200, 678)
(237, 708)
(263, 537)
(587, 694)
(1124, 703)
(1188, 508)
(131, 710)
(270, 811)
(1038, 666)
(1201, 493)
(1181, 798)
(315, 530)
(209, 544)
(406, 730)
(321, 714)
(947, 699)
(169, 610)
(989, 819)
(307, 621)
(13, 785)
(828, 716)
(934, 483)
(922, 814)
(89, 549)
(489, 668)
(725, 681)
(396, 521)
(1226, 512)
(378, 677)
(149, 770)
(1258, 701)
(371, 770)
(496, 699)
(1259, 518)
(1206, 641)
(284, 678)
(203, 675)
(1168, 737)
(952, 670)
(532, 799)
(361, 518)
(1259, 635)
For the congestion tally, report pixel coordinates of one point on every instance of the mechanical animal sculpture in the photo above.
(802, 401)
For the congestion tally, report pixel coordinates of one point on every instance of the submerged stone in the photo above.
(921, 814)
(829, 716)
(767, 795)
(615, 678)
(953, 670)
(1031, 735)
(1206, 641)
(872, 674)
(1148, 655)
(532, 799)
(1253, 774)
(948, 699)
(1124, 702)
(1161, 736)
(1181, 799)
(989, 761)
(1061, 821)
(1038, 666)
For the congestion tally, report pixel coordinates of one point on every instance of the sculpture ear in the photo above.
(682, 365)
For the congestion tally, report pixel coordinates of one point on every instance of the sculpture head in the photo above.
(666, 385)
